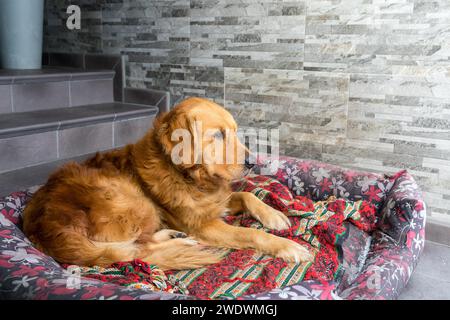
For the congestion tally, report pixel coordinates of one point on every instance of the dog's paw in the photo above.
(185, 241)
(167, 234)
(294, 252)
(274, 219)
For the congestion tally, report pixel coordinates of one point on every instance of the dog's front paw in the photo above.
(167, 234)
(294, 252)
(274, 219)
(185, 241)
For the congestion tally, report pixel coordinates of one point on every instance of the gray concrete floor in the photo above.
(431, 278)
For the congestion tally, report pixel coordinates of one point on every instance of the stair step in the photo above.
(36, 137)
(53, 87)
(51, 74)
(14, 124)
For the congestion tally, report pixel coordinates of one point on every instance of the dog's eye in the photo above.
(218, 135)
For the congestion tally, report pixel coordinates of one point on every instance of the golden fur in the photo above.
(116, 205)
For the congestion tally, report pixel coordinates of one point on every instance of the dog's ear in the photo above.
(162, 132)
(171, 126)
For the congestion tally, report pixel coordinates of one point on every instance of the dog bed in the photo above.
(373, 257)
(324, 227)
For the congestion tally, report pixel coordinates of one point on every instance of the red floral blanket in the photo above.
(322, 226)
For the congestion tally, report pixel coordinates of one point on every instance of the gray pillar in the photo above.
(21, 33)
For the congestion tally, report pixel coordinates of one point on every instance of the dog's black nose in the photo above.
(248, 165)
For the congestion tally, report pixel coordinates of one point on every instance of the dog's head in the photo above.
(200, 137)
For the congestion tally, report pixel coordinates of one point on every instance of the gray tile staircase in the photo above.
(57, 114)
(51, 88)
(17, 124)
(30, 138)
(89, 61)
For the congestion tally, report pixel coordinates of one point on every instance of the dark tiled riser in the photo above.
(130, 131)
(90, 61)
(25, 178)
(46, 90)
(23, 151)
(5, 99)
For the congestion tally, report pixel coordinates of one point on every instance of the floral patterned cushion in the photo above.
(355, 249)
(307, 290)
(402, 209)
(319, 181)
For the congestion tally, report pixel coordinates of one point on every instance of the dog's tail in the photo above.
(179, 254)
(175, 254)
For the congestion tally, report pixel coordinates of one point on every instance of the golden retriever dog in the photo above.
(126, 204)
